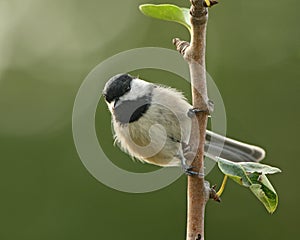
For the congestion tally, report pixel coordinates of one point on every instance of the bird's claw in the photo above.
(188, 170)
(194, 111)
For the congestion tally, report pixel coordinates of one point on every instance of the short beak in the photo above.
(117, 103)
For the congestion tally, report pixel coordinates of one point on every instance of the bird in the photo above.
(152, 123)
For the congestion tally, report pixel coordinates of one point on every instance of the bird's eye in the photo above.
(128, 88)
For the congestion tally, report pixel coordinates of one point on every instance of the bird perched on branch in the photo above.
(153, 123)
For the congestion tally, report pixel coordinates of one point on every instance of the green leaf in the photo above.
(234, 171)
(168, 12)
(253, 176)
(264, 191)
(251, 167)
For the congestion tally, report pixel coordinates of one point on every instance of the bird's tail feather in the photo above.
(219, 146)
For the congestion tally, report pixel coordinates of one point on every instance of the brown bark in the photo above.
(194, 53)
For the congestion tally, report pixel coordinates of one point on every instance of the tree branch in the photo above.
(194, 53)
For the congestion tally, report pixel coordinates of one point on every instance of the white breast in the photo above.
(155, 137)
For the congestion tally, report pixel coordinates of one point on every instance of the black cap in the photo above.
(117, 86)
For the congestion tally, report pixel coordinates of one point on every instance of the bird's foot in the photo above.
(188, 170)
(194, 111)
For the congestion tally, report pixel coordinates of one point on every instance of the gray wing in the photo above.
(219, 146)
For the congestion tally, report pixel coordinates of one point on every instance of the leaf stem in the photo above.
(222, 188)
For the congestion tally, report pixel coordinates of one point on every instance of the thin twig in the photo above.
(194, 53)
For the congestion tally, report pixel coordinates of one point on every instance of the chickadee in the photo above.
(152, 123)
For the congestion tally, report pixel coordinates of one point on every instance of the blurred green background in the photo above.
(48, 47)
